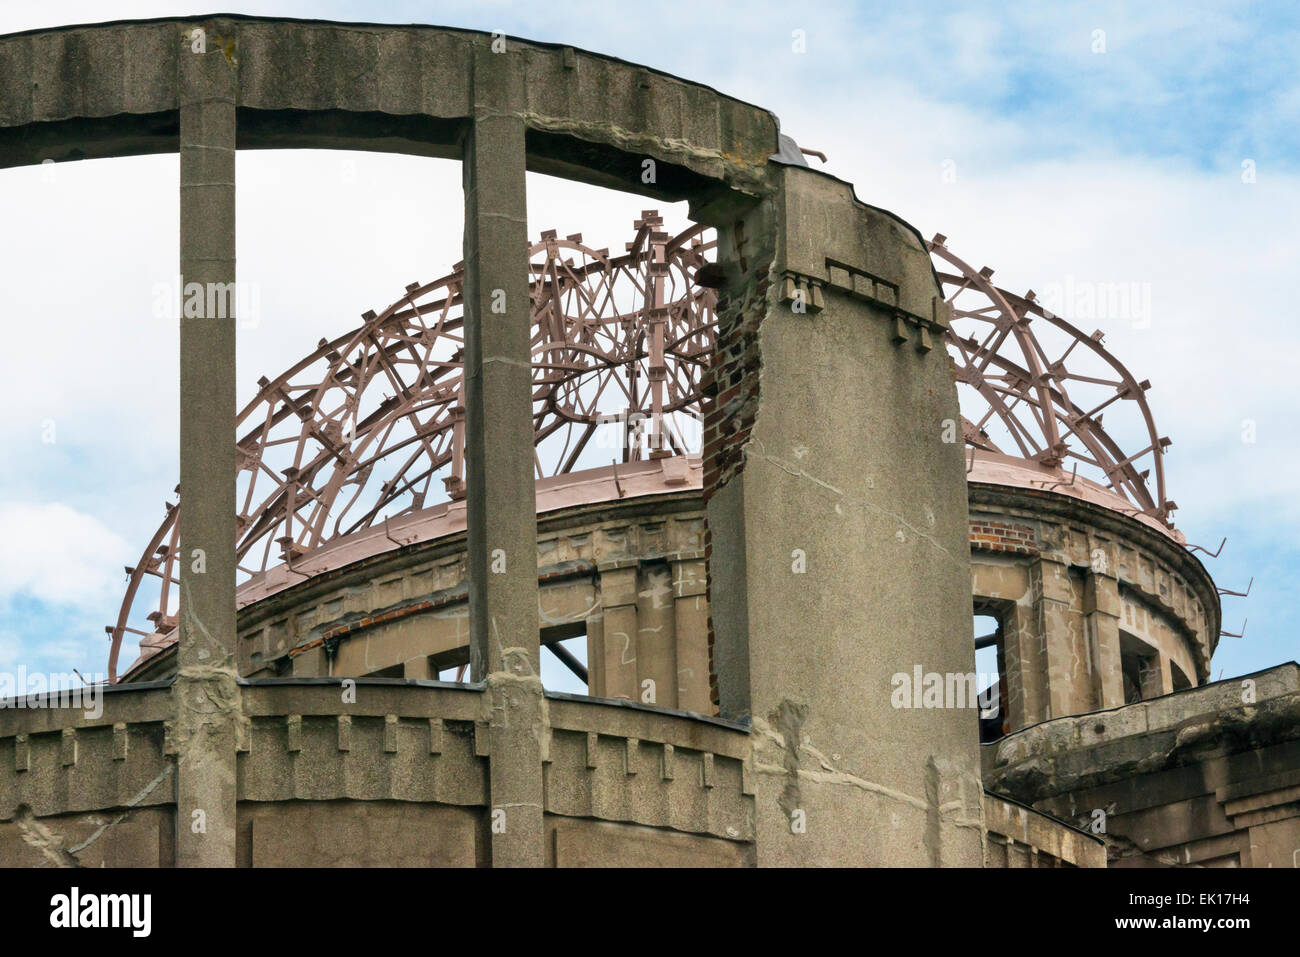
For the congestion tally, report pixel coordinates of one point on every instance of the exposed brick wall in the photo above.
(714, 697)
(731, 386)
(1001, 537)
(730, 404)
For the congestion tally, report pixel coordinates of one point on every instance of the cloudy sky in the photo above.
(1156, 144)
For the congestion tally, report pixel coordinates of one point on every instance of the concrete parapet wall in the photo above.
(1019, 836)
(397, 775)
(1074, 587)
(1209, 776)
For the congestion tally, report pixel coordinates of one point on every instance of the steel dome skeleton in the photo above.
(999, 358)
(359, 430)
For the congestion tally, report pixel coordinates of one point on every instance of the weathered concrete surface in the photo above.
(379, 773)
(120, 89)
(839, 543)
(81, 789)
(207, 701)
(110, 90)
(144, 838)
(578, 843)
(1207, 776)
(1067, 578)
(358, 834)
(839, 520)
(1019, 836)
(500, 499)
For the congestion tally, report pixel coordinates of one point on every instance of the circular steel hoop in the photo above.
(361, 429)
(1005, 374)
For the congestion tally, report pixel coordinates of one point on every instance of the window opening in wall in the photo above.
(1180, 680)
(564, 658)
(989, 670)
(1140, 666)
(451, 665)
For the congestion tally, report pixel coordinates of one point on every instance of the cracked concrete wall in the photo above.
(110, 90)
(1066, 579)
(1205, 777)
(79, 789)
(1019, 836)
(387, 774)
(839, 551)
(808, 661)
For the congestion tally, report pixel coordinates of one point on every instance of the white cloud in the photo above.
(58, 555)
(1040, 194)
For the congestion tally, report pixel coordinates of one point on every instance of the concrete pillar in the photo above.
(500, 501)
(1102, 607)
(1161, 681)
(656, 644)
(839, 534)
(1051, 609)
(1026, 666)
(616, 648)
(595, 646)
(691, 627)
(419, 669)
(207, 697)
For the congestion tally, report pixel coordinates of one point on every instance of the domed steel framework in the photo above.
(1049, 413)
(362, 428)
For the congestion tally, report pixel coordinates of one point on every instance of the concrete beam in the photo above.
(400, 88)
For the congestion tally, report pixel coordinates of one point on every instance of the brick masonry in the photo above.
(731, 390)
(1001, 537)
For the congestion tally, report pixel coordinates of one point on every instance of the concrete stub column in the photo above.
(1051, 583)
(691, 626)
(656, 643)
(839, 534)
(616, 650)
(500, 499)
(208, 719)
(1101, 605)
(1026, 668)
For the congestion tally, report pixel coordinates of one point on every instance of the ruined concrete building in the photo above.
(339, 663)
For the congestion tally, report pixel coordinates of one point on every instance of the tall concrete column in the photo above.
(839, 534)
(500, 501)
(207, 697)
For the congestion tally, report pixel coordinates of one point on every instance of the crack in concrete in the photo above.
(37, 835)
(755, 447)
(828, 774)
(749, 177)
(497, 703)
(205, 693)
(131, 806)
